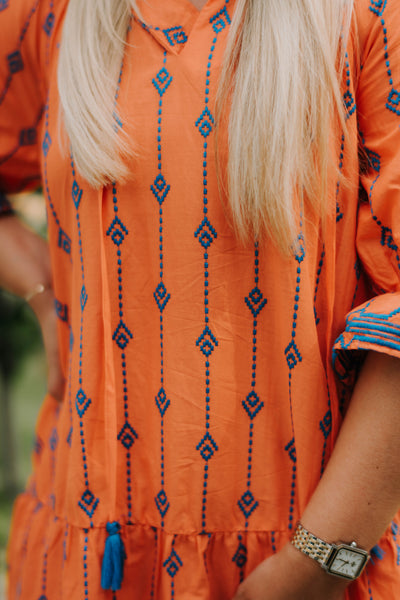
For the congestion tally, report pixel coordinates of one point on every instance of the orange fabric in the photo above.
(201, 404)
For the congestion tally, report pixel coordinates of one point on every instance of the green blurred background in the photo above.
(22, 385)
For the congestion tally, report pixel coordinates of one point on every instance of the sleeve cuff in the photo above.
(373, 326)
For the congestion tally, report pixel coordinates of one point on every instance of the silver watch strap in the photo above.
(311, 545)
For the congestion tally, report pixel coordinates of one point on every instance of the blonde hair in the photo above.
(280, 81)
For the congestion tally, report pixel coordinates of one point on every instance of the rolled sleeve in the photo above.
(375, 325)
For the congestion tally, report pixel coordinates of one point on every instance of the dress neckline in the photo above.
(172, 23)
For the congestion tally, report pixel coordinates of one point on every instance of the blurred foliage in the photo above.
(19, 333)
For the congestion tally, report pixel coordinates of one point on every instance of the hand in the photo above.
(43, 306)
(290, 575)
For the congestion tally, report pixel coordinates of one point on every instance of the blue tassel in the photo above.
(112, 570)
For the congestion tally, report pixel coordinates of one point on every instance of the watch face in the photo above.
(348, 562)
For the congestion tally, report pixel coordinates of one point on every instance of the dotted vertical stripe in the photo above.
(252, 406)
(122, 335)
(88, 502)
(160, 190)
(293, 359)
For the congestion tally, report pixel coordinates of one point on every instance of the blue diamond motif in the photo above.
(127, 436)
(349, 103)
(117, 231)
(393, 101)
(378, 7)
(175, 35)
(53, 440)
(220, 20)
(291, 450)
(122, 335)
(160, 188)
(247, 504)
(207, 447)
(76, 194)
(374, 160)
(161, 296)
(252, 404)
(300, 250)
(162, 503)
(205, 233)
(173, 563)
(207, 342)
(82, 402)
(46, 144)
(15, 62)
(240, 557)
(88, 503)
(162, 81)
(162, 401)
(84, 297)
(293, 356)
(255, 301)
(43, 597)
(205, 123)
(49, 23)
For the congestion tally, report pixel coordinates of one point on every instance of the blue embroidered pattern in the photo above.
(206, 235)
(339, 213)
(160, 189)
(348, 98)
(378, 6)
(175, 35)
(368, 327)
(252, 405)
(14, 59)
(172, 565)
(393, 100)
(293, 359)
(396, 539)
(88, 502)
(85, 564)
(117, 232)
(153, 574)
(44, 572)
(64, 240)
(319, 271)
(48, 27)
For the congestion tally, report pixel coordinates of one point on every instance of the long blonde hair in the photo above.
(280, 79)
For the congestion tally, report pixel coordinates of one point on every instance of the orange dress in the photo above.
(202, 402)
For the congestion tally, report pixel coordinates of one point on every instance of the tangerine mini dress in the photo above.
(206, 381)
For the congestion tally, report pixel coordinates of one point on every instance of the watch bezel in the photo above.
(354, 550)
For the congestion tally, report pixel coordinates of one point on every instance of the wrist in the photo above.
(340, 559)
(41, 300)
(311, 572)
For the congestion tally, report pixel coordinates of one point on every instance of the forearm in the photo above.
(360, 490)
(24, 258)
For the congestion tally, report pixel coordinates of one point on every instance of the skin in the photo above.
(198, 3)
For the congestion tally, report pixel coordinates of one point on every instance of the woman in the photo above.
(207, 240)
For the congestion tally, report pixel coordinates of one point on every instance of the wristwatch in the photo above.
(343, 560)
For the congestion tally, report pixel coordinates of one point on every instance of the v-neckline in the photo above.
(171, 22)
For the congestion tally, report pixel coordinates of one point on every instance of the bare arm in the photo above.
(357, 496)
(24, 262)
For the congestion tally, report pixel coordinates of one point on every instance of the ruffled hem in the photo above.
(49, 558)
